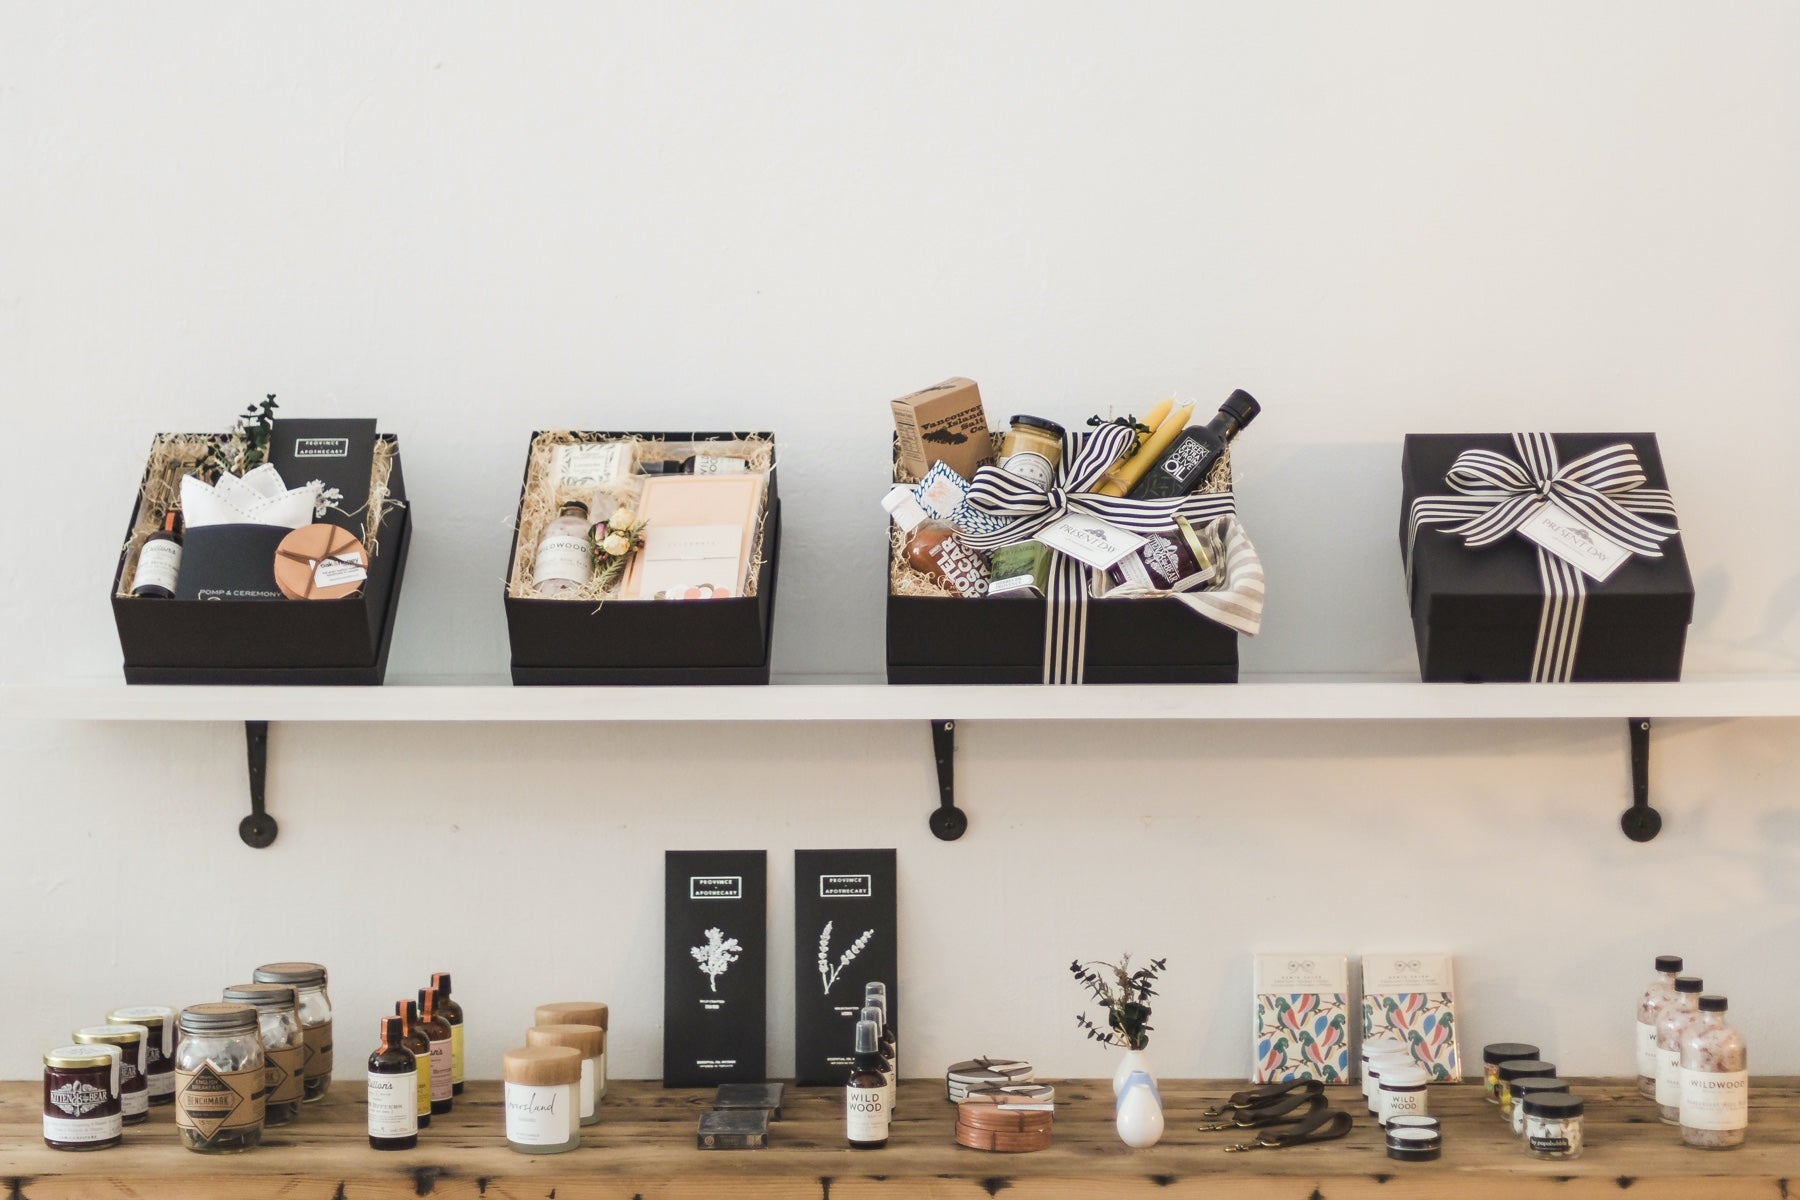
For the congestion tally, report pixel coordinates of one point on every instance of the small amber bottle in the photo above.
(865, 1093)
(437, 1032)
(452, 1012)
(393, 1090)
(417, 1041)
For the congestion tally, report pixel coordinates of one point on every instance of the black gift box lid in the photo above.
(1476, 611)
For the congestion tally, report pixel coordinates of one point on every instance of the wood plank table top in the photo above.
(644, 1149)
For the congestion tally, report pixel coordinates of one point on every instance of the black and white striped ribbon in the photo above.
(1496, 494)
(1027, 510)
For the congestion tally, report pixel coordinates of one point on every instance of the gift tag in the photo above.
(1594, 554)
(1099, 544)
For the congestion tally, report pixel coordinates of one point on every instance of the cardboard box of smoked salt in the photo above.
(943, 423)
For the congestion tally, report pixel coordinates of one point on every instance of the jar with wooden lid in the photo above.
(543, 1113)
(581, 1012)
(159, 1047)
(81, 1097)
(219, 1067)
(310, 980)
(134, 1088)
(284, 1047)
(590, 1041)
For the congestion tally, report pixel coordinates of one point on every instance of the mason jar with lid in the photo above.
(310, 980)
(134, 1086)
(159, 1047)
(219, 1076)
(81, 1097)
(284, 1047)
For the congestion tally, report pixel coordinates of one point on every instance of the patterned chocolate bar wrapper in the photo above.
(1304, 1036)
(1425, 1021)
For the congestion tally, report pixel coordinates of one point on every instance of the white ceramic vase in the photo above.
(1139, 1119)
(1134, 1060)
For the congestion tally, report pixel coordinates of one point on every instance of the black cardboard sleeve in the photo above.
(841, 898)
(715, 994)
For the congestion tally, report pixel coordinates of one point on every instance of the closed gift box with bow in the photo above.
(1550, 558)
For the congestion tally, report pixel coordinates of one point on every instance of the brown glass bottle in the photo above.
(416, 1040)
(452, 1012)
(865, 1092)
(437, 1032)
(159, 561)
(393, 1090)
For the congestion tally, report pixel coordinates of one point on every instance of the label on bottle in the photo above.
(440, 1069)
(1575, 541)
(81, 1130)
(1715, 1100)
(1561, 1137)
(456, 1054)
(866, 1114)
(590, 1088)
(563, 556)
(393, 1108)
(162, 1083)
(538, 1116)
(284, 1077)
(1187, 461)
(318, 1051)
(159, 565)
(713, 464)
(1031, 467)
(209, 1101)
(1668, 1078)
(1646, 1050)
(422, 1087)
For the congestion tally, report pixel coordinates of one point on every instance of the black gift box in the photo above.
(287, 642)
(649, 641)
(715, 993)
(1477, 613)
(845, 925)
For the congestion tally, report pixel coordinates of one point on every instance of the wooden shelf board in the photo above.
(851, 698)
(644, 1149)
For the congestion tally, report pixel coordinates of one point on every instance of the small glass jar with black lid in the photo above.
(1521, 1068)
(219, 1078)
(1495, 1053)
(310, 980)
(1553, 1125)
(81, 1097)
(1524, 1089)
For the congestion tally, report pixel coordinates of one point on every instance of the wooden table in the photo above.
(644, 1150)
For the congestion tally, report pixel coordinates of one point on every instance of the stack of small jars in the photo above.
(1542, 1110)
(557, 1079)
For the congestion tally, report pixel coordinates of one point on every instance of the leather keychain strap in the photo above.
(1279, 1113)
(1263, 1094)
(1325, 1125)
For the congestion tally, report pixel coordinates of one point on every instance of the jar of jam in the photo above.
(309, 979)
(81, 1098)
(159, 1047)
(134, 1087)
(219, 1077)
(1032, 450)
(284, 1047)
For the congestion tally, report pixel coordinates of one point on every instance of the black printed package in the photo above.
(715, 967)
(845, 922)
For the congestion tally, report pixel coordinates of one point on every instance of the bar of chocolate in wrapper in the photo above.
(733, 1129)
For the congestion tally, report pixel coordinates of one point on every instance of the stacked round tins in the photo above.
(999, 1108)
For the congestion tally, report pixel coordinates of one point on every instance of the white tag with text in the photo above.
(1099, 544)
(1594, 554)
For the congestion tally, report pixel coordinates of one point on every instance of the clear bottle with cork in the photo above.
(437, 1032)
(1660, 991)
(452, 1012)
(865, 1092)
(1671, 1024)
(1715, 1080)
(393, 1090)
(416, 1040)
(564, 562)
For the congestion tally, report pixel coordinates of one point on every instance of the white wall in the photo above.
(475, 222)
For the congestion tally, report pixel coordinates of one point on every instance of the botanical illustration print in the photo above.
(716, 957)
(1303, 1036)
(1425, 1021)
(828, 974)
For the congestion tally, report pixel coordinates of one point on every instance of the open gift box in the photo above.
(603, 639)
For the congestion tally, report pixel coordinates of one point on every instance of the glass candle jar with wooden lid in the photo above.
(311, 981)
(219, 1077)
(580, 1012)
(284, 1047)
(543, 1113)
(590, 1040)
(134, 1087)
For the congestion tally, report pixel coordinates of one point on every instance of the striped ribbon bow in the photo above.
(1022, 510)
(1496, 494)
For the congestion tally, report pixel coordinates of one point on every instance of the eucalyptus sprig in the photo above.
(1124, 994)
(246, 446)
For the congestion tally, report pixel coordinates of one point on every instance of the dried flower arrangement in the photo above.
(1124, 994)
(614, 541)
(246, 447)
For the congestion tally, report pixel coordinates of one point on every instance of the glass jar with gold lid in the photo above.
(1032, 449)
(159, 1048)
(81, 1097)
(134, 1085)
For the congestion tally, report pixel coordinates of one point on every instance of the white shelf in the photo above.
(850, 698)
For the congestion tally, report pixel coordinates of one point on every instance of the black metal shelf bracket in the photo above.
(948, 822)
(258, 829)
(1641, 823)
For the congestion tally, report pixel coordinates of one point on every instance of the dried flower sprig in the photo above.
(1124, 994)
(614, 541)
(245, 447)
(828, 973)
